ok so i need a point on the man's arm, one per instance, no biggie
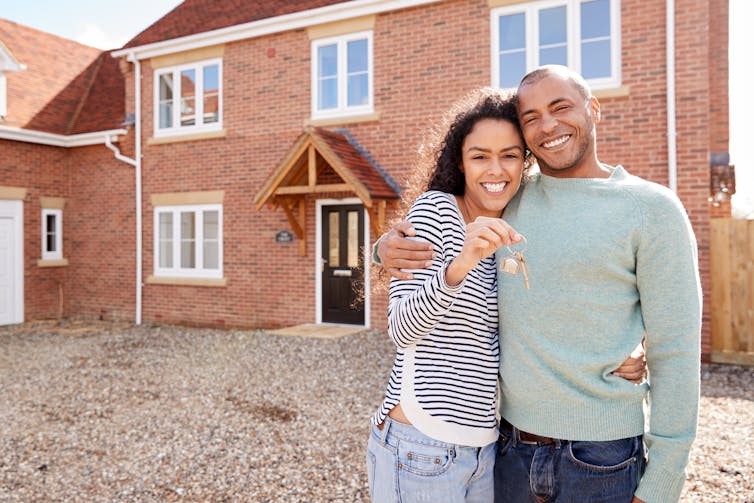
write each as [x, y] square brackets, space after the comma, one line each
[394, 251]
[670, 295]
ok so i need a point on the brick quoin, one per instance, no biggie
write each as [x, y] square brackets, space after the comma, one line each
[424, 59]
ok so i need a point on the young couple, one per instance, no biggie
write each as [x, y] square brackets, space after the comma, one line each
[590, 261]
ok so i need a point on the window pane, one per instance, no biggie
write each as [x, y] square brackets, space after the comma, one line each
[188, 93]
[512, 68]
[595, 19]
[188, 240]
[165, 237]
[358, 89]
[595, 59]
[50, 240]
[512, 32]
[353, 239]
[357, 56]
[211, 81]
[553, 56]
[552, 26]
[211, 243]
[211, 254]
[334, 240]
[211, 221]
[328, 94]
[327, 60]
[166, 101]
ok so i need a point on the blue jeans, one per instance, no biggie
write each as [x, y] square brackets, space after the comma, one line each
[405, 466]
[567, 471]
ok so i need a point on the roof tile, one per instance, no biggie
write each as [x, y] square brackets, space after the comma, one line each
[198, 16]
[66, 87]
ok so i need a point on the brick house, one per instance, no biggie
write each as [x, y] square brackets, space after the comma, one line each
[269, 142]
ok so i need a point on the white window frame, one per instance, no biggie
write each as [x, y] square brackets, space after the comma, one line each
[573, 37]
[177, 271]
[3, 95]
[199, 127]
[342, 109]
[58, 253]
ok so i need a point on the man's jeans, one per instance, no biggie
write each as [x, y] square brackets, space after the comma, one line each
[567, 471]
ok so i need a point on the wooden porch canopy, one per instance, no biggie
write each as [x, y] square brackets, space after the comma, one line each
[322, 161]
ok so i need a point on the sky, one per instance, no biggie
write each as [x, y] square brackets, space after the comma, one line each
[108, 24]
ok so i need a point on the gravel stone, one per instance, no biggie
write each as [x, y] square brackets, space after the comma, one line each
[95, 411]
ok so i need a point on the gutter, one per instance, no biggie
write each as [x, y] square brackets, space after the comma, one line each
[670, 71]
[136, 163]
[267, 26]
[59, 140]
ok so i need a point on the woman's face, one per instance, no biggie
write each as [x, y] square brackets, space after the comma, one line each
[492, 164]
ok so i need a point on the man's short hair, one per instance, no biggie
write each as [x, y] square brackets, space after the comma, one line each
[560, 71]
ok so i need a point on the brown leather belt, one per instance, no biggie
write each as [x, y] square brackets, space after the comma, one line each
[525, 437]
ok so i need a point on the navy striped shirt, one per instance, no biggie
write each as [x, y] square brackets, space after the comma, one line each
[446, 364]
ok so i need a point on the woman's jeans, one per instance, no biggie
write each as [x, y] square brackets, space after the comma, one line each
[405, 466]
[567, 471]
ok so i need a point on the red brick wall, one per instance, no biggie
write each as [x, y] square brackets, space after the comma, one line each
[98, 229]
[42, 171]
[424, 59]
[102, 233]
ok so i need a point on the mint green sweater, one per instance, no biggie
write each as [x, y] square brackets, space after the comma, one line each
[610, 260]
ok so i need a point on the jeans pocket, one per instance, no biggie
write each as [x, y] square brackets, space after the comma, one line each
[425, 460]
[607, 456]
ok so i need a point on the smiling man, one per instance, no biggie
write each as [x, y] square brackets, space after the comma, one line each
[612, 259]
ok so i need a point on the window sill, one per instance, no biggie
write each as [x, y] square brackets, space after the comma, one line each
[612, 92]
[342, 119]
[179, 137]
[168, 280]
[60, 262]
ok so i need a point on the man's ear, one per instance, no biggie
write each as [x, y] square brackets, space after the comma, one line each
[594, 107]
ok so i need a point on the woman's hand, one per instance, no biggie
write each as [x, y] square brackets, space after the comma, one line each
[634, 369]
[483, 236]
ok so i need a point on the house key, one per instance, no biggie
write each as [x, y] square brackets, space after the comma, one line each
[514, 263]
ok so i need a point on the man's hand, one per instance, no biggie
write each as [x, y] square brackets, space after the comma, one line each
[398, 252]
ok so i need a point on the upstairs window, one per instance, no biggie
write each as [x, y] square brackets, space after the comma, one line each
[342, 75]
[580, 34]
[52, 234]
[188, 98]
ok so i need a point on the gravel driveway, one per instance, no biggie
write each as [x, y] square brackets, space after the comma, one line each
[108, 412]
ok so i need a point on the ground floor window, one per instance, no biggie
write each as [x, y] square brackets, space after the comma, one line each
[52, 234]
[188, 241]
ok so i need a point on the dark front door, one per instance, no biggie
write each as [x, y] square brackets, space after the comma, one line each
[343, 264]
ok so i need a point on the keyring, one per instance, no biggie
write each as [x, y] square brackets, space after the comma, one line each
[521, 243]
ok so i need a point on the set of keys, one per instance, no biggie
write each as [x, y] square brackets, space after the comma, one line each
[516, 261]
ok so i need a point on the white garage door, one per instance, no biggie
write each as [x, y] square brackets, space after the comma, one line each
[11, 263]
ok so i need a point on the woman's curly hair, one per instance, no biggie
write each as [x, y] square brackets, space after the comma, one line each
[441, 154]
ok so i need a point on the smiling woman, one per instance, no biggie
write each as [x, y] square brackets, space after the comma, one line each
[446, 432]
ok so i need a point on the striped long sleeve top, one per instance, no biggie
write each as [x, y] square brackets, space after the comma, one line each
[446, 365]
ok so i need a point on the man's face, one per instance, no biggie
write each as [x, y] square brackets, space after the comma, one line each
[558, 126]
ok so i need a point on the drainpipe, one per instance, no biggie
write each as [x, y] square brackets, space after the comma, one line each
[670, 71]
[136, 163]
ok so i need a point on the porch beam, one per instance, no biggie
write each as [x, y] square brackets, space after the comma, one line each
[305, 189]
